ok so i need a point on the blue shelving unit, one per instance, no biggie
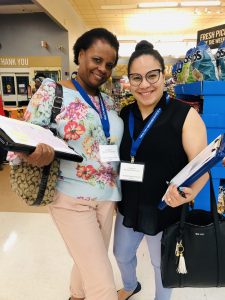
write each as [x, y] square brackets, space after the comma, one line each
[212, 96]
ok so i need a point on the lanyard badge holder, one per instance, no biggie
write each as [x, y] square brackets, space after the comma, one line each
[132, 171]
[107, 152]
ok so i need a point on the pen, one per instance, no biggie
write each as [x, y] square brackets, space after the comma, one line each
[180, 190]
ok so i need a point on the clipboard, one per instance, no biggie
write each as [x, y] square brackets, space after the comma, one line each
[198, 166]
[11, 142]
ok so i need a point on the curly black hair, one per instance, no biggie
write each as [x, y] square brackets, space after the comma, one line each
[145, 48]
[39, 76]
[86, 40]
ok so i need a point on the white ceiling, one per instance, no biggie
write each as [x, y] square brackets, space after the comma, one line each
[164, 24]
[155, 24]
[172, 30]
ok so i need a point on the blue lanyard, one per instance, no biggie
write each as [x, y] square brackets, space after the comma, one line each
[103, 116]
[136, 143]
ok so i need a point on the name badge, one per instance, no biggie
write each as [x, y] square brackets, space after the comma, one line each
[109, 153]
[131, 172]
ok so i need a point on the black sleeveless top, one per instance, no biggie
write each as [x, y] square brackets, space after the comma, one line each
[163, 155]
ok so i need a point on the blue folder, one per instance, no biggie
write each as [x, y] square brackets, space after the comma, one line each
[201, 164]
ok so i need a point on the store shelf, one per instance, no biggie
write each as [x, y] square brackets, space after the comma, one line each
[201, 88]
[212, 97]
[212, 92]
[215, 124]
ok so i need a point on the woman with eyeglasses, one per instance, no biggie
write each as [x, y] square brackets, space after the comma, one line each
[160, 137]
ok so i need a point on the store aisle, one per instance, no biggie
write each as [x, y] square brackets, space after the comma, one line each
[35, 265]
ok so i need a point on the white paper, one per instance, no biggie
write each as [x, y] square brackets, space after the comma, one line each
[198, 162]
[29, 134]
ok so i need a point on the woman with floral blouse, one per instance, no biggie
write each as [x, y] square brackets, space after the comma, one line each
[86, 192]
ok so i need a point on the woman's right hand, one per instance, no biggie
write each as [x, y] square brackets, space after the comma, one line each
[42, 156]
[174, 198]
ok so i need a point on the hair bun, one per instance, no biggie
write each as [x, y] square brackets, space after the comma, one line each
[144, 45]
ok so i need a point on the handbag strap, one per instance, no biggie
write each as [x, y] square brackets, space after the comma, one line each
[43, 185]
[56, 108]
[217, 232]
[213, 207]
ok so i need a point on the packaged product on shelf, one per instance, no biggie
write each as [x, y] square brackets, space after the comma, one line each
[169, 85]
[204, 63]
[174, 72]
[179, 66]
[220, 58]
[221, 200]
[126, 100]
[187, 67]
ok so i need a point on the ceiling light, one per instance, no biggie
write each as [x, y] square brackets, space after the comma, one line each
[200, 3]
[157, 4]
[162, 4]
[197, 12]
[119, 6]
[207, 11]
[159, 21]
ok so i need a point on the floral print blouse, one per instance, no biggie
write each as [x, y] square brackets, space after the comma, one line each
[80, 126]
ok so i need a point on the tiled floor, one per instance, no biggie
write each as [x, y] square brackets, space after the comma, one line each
[34, 263]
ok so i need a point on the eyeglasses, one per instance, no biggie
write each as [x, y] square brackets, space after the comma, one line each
[152, 76]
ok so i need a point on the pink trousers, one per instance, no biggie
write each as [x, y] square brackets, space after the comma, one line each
[85, 227]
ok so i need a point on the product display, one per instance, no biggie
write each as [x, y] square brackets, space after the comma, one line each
[204, 63]
[200, 64]
[187, 70]
[220, 57]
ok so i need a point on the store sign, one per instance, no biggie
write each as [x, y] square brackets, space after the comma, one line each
[14, 61]
[29, 61]
[213, 36]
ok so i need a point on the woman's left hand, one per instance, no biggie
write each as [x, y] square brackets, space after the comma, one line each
[223, 162]
[42, 156]
[173, 197]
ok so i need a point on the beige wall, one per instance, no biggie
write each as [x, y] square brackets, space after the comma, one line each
[63, 12]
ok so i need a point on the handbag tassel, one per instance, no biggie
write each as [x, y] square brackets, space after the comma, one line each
[181, 269]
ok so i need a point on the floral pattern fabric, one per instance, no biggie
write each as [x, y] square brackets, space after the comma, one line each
[80, 126]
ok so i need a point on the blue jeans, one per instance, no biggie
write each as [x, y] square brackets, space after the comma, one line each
[126, 243]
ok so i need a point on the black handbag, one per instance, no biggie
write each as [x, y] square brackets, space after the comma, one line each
[193, 250]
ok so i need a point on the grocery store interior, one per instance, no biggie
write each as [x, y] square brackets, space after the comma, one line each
[37, 36]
